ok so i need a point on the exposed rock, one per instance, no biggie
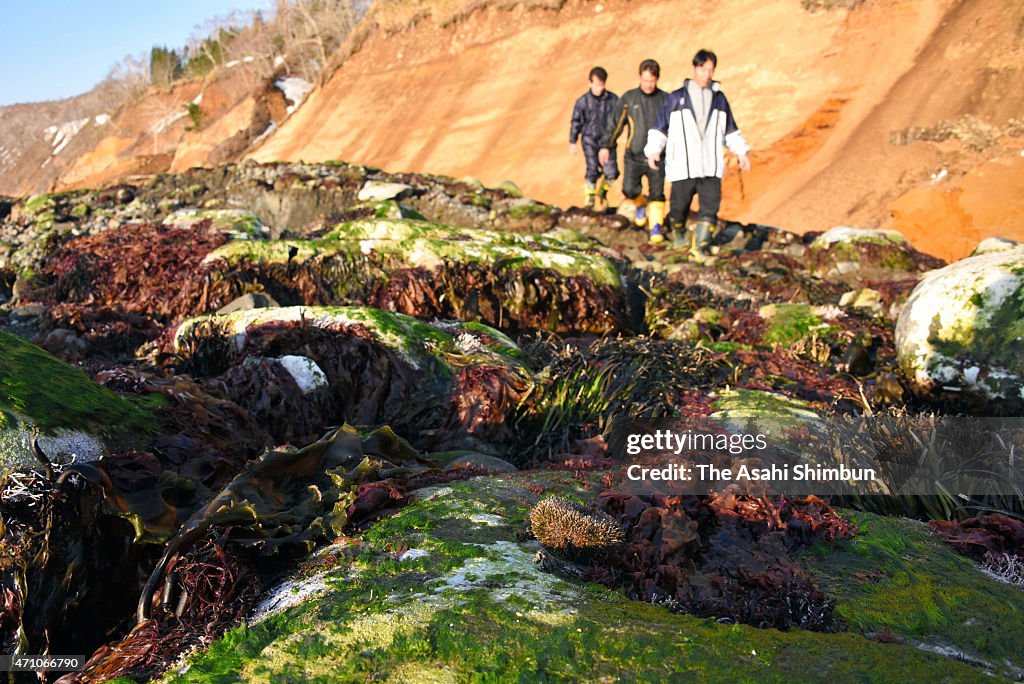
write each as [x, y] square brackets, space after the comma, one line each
[863, 299]
[994, 244]
[431, 270]
[485, 461]
[766, 410]
[850, 251]
[444, 589]
[72, 414]
[963, 328]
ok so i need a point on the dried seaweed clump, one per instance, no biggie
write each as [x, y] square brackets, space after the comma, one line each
[567, 529]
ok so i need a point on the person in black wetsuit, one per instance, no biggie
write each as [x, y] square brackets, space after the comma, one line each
[638, 110]
[590, 116]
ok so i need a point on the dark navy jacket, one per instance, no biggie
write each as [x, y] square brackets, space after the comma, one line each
[591, 115]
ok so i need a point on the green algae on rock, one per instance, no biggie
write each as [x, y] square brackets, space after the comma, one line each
[963, 328]
[737, 406]
[39, 393]
[895, 577]
[442, 591]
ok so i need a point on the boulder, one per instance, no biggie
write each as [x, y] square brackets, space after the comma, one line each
[443, 384]
[994, 244]
[963, 327]
[72, 416]
[844, 250]
[447, 590]
[432, 270]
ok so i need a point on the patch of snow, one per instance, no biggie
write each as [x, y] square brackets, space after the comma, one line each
[101, 119]
[262, 136]
[197, 99]
[164, 123]
[938, 176]
[295, 90]
[60, 136]
[248, 58]
[278, 60]
[232, 64]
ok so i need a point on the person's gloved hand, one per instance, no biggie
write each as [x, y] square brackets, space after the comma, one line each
[653, 160]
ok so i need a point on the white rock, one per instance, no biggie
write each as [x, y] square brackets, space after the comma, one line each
[375, 191]
[994, 244]
[963, 327]
[308, 376]
[849, 234]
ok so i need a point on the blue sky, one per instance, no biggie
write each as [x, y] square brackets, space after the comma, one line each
[53, 49]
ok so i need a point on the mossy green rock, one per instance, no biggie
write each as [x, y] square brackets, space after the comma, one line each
[446, 591]
[843, 250]
[42, 395]
[767, 410]
[896, 576]
[789, 323]
[963, 327]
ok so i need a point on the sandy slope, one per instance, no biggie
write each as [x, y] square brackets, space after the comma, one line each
[818, 95]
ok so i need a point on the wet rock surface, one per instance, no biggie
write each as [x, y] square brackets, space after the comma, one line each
[351, 446]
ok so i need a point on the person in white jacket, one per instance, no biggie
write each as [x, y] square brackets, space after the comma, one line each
[691, 130]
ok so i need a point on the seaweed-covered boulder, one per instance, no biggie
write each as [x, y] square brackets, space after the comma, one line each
[442, 384]
[71, 415]
[446, 590]
[963, 328]
[432, 270]
[844, 250]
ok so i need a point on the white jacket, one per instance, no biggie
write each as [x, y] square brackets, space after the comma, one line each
[688, 154]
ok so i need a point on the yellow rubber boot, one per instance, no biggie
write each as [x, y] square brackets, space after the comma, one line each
[602, 192]
[656, 220]
[700, 241]
[589, 194]
[641, 210]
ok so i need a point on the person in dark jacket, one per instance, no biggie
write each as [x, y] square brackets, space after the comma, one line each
[691, 130]
[590, 116]
[638, 110]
